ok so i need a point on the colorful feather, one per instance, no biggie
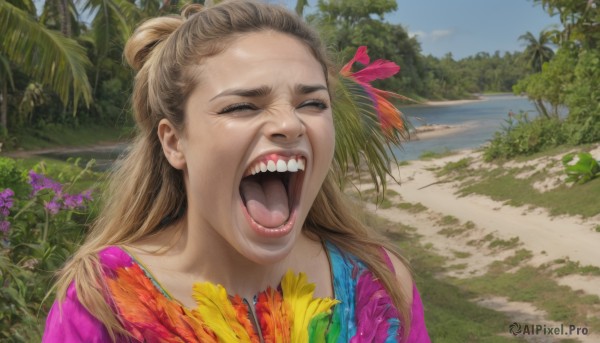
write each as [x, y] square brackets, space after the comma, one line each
[317, 328]
[389, 116]
[242, 313]
[218, 313]
[365, 312]
[148, 315]
[298, 295]
[273, 316]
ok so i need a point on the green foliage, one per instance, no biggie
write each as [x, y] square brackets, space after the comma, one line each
[11, 176]
[537, 51]
[549, 85]
[585, 169]
[46, 55]
[523, 136]
[572, 77]
[37, 243]
[355, 10]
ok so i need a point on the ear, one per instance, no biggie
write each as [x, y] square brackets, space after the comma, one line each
[171, 142]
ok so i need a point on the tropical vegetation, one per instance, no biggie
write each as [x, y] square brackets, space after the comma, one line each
[567, 81]
[61, 62]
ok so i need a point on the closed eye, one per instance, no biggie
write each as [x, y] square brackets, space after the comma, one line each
[240, 107]
[316, 103]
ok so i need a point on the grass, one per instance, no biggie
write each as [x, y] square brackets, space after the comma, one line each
[504, 244]
[412, 208]
[536, 286]
[452, 232]
[448, 220]
[502, 185]
[458, 166]
[449, 315]
[59, 136]
[461, 254]
[432, 155]
[518, 258]
[570, 267]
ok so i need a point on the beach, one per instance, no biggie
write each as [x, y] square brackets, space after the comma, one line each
[547, 238]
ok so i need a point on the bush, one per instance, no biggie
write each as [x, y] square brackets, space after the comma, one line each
[41, 224]
[522, 136]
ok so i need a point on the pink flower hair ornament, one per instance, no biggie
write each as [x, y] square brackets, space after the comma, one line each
[368, 125]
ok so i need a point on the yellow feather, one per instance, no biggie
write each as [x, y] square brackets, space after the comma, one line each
[218, 313]
[298, 295]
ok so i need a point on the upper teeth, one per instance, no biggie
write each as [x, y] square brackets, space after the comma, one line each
[279, 165]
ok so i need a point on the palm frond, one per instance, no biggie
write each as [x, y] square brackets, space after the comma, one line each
[360, 140]
[5, 71]
[45, 55]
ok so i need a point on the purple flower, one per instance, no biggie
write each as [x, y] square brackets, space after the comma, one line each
[53, 206]
[71, 201]
[39, 182]
[61, 200]
[6, 201]
[4, 226]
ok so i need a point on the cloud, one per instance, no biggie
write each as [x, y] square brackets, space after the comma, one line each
[432, 36]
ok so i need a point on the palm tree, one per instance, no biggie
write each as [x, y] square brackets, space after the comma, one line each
[300, 5]
[537, 50]
[47, 56]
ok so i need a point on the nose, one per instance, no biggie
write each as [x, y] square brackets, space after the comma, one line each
[285, 126]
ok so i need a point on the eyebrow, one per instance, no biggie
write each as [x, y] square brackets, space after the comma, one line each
[307, 89]
[266, 90]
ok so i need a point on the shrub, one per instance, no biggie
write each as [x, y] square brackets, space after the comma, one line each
[585, 169]
[522, 136]
[40, 227]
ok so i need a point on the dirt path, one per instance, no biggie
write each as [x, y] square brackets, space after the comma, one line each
[546, 237]
[100, 147]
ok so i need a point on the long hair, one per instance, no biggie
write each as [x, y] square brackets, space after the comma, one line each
[144, 189]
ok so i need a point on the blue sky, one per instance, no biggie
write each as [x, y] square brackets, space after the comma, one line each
[466, 27]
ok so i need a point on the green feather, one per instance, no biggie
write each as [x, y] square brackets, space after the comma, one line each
[317, 328]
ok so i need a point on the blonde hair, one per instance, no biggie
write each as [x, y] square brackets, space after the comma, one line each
[145, 189]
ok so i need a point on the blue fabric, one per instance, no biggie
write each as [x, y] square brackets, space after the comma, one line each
[343, 266]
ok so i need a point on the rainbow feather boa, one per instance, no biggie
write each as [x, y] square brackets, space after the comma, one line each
[289, 313]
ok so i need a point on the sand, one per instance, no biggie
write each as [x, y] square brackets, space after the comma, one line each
[548, 238]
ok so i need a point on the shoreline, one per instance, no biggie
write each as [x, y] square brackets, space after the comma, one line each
[430, 131]
[453, 102]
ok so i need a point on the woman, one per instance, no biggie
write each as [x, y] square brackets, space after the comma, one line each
[226, 194]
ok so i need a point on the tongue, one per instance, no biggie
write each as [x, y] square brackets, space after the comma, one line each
[267, 200]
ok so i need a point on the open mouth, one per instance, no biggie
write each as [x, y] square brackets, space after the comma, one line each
[270, 191]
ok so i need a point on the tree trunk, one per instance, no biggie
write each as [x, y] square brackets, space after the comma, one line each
[539, 104]
[65, 18]
[4, 108]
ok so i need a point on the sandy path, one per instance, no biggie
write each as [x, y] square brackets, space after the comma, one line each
[558, 237]
[546, 237]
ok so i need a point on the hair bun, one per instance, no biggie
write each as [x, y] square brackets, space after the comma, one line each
[192, 9]
[147, 36]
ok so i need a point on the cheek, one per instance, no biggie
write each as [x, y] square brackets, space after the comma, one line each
[324, 143]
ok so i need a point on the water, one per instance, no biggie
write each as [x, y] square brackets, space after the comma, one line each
[481, 119]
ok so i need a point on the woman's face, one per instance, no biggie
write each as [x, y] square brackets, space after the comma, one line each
[257, 144]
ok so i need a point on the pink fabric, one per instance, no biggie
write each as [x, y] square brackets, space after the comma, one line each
[418, 330]
[74, 323]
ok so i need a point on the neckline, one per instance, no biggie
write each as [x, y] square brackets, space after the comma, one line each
[159, 287]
